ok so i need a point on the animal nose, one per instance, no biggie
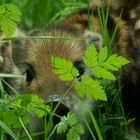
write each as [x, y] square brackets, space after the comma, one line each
[58, 105]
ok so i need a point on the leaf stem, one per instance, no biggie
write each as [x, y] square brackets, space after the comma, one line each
[25, 129]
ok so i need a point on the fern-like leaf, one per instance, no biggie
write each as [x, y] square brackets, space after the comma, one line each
[73, 135]
[9, 16]
[102, 55]
[103, 73]
[62, 126]
[70, 122]
[90, 88]
[90, 57]
[64, 68]
[115, 62]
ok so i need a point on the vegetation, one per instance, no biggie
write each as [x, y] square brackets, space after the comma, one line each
[15, 110]
[43, 11]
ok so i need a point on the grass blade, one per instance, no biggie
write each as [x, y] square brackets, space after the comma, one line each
[8, 130]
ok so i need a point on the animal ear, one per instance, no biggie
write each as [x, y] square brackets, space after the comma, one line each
[93, 38]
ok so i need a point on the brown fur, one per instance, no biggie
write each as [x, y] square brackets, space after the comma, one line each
[45, 82]
[121, 45]
[39, 52]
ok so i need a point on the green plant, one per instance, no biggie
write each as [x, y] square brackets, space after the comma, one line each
[75, 129]
[100, 64]
[44, 12]
[9, 16]
[15, 112]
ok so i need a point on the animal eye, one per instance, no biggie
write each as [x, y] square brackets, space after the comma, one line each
[80, 66]
[30, 73]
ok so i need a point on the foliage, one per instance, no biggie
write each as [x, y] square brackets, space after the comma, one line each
[45, 12]
[15, 111]
[90, 88]
[64, 68]
[9, 16]
[101, 66]
[70, 123]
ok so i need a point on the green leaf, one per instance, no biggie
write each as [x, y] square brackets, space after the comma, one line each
[37, 99]
[1, 19]
[13, 17]
[71, 118]
[9, 117]
[13, 10]
[103, 73]
[109, 66]
[120, 61]
[37, 105]
[26, 99]
[73, 135]
[102, 55]
[114, 62]
[41, 110]
[9, 16]
[90, 88]
[74, 128]
[2, 9]
[8, 26]
[79, 128]
[62, 125]
[90, 57]
[64, 68]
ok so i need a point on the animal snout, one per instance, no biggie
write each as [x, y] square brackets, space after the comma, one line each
[58, 105]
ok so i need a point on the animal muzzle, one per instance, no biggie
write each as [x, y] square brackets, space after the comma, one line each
[57, 105]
